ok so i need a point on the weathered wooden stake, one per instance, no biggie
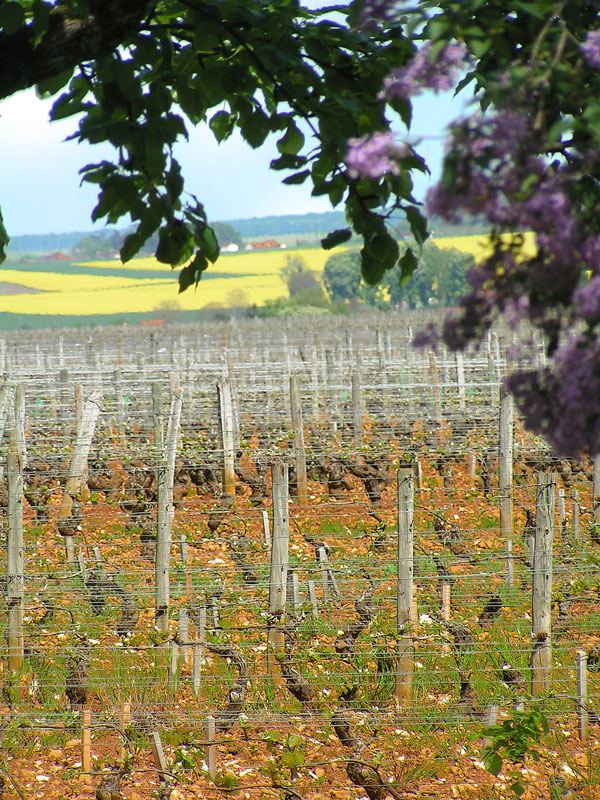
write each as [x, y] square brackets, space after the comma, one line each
[435, 387]
[166, 475]
[227, 436]
[86, 744]
[279, 566]
[159, 422]
[312, 594]
[158, 754]
[582, 695]
[211, 748]
[77, 471]
[541, 657]
[460, 380]
[356, 411]
[184, 635]
[125, 722]
[596, 490]
[15, 573]
[299, 449]
[562, 515]
[404, 590]
[505, 469]
[120, 406]
[265, 527]
[173, 664]
[575, 515]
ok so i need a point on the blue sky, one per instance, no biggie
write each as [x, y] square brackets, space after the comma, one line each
[39, 180]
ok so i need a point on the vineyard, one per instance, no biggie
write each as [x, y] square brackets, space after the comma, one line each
[290, 559]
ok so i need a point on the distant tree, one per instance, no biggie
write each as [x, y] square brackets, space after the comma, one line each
[341, 275]
[227, 234]
[97, 245]
[440, 280]
[303, 284]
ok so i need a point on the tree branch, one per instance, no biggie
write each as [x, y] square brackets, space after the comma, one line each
[67, 42]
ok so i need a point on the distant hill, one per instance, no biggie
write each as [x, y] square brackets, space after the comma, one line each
[289, 223]
[313, 224]
[47, 242]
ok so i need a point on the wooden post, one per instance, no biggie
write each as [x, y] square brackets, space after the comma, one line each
[279, 564]
[312, 594]
[211, 747]
[356, 411]
[158, 416]
[15, 574]
[575, 515]
[472, 466]
[562, 515]
[166, 474]
[125, 722]
[293, 591]
[404, 592]
[541, 657]
[227, 436]
[265, 527]
[505, 470]
[77, 471]
[299, 449]
[184, 635]
[198, 650]
[491, 718]
[435, 386]
[234, 399]
[460, 380]
[120, 406]
[173, 664]
[86, 744]
[596, 490]
[158, 754]
[445, 610]
[333, 400]
[582, 695]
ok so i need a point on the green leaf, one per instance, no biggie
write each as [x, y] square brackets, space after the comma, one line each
[336, 237]
[222, 125]
[408, 264]
[291, 142]
[54, 84]
[12, 17]
[130, 247]
[379, 254]
[4, 239]
[175, 244]
[418, 224]
[292, 759]
[492, 761]
[298, 177]
[210, 244]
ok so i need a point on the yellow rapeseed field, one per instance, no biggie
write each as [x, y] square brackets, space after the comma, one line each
[479, 246]
[255, 278]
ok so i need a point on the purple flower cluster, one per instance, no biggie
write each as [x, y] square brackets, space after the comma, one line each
[374, 155]
[374, 12]
[561, 402]
[424, 71]
[587, 300]
[591, 49]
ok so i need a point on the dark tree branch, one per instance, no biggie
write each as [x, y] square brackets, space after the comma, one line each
[67, 42]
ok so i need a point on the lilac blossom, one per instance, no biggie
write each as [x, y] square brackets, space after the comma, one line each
[591, 49]
[587, 299]
[425, 72]
[374, 12]
[373, 155]
[562, 402]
